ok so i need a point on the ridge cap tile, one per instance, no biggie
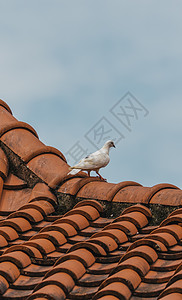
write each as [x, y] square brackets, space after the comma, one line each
[116, 188]
[6, 106]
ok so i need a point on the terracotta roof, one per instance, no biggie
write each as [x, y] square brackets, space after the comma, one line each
[75, 237]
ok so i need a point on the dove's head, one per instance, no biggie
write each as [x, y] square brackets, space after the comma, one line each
[110, 144]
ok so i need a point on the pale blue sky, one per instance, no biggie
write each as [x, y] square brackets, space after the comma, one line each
[64, 64]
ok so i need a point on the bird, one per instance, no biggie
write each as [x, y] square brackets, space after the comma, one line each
[94, 161]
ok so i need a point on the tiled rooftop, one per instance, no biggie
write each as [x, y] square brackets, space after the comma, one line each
[75, 237]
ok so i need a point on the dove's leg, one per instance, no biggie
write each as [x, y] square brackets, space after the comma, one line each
[100, 176]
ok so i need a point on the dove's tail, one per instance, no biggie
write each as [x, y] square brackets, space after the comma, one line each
[74, 171]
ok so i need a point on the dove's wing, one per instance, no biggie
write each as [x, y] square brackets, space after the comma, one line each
[93, 161]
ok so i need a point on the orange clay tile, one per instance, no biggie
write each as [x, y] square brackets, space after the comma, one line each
[5, 106]
[175, 212]
[31, 214]
[9, 271]
[166, 238]
[42, 150]
[44, 207]
[173, 229]
[148, 253]
[3, 241]
[163, 265]
[69, 186]
[139, 194]
[88, 212]
[117, 289]
[31, 251]
[42, 192]
[137, 218]
[64, 228]
[95, 248]
[93, 203]
[138, 208]
[119, 186]
[9, 233]
[100, 268]
[4, 285]
[101, 222]
[106, 242]
[164, 197]
[177, 275]
[92, 280]
[11, 200]
[15, 294]
[28, 282]
[56, 237]
[73, 185]
[127, 276]
[6, 118]
[19, 224]
[128, 227]
[61, 279]
[136, 263]
[149, 289]
[156, 244]
[72, 267]
[14, 125]
[95, 190]
[118, 235]
[77, 221]
[45, 246]
[51, 291]
[82, 255]
[12, 182]
[174, 219]
[19, 258]
[42, 164]
[22, 141]
[175, 287]
[158, 277]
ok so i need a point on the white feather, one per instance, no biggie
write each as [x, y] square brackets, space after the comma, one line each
[94, 161]
[74, 171]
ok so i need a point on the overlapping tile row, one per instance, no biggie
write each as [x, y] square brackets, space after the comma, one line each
[23, 140]
[147, 268]
[78, 273]
[15, 194]
[126, 191]
[44, 249]
[173, 288]
[30, 218]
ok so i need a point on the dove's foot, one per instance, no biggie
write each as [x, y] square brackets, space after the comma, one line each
[104, 179]
[101, 178]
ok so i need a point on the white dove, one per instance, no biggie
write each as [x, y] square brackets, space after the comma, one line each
[94, 161]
